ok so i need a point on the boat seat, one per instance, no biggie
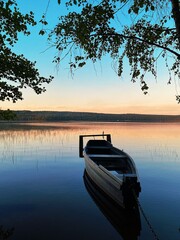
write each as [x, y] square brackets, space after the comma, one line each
[99, 150]
[105, 156]
[102, 147]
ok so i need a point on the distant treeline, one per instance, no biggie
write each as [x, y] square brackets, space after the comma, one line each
[7, 115]
[52, 116]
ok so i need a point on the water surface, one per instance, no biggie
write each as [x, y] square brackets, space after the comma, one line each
[43, 194]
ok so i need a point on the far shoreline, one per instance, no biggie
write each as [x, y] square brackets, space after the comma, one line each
[55, 116]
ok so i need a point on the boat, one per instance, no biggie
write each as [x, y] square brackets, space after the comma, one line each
[112, 169]
[126, 222]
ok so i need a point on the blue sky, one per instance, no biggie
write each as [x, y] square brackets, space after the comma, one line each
[95, 87]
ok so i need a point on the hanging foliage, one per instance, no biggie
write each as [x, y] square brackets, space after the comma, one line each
[16, 72]
[141, 31]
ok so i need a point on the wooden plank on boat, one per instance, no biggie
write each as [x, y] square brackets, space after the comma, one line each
[130, 175]
[111, 175]
[106, 156]
[99, 147]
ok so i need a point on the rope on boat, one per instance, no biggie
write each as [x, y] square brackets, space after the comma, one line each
[145, 217]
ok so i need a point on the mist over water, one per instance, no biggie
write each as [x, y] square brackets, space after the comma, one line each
[43, 194]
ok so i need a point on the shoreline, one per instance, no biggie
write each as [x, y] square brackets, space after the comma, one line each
[52, 116]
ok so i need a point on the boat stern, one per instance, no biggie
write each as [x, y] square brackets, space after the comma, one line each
[130, 189]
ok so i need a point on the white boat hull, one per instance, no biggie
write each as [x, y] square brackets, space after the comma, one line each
[109, 185]
[112, 170]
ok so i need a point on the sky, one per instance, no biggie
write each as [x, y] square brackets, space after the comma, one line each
[94, 88]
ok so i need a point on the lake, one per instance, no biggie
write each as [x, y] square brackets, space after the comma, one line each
[43, 193]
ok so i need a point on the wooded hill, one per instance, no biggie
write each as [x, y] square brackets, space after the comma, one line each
[88, 116]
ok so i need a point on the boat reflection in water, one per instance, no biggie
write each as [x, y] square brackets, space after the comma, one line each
[126, 222]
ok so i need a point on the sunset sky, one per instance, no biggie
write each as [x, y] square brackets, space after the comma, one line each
[94, 88]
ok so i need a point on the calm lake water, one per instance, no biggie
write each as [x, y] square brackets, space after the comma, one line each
[43, 193]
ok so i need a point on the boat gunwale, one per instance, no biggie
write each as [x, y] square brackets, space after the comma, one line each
[118, 181]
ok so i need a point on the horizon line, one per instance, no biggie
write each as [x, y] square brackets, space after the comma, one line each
[70, 111]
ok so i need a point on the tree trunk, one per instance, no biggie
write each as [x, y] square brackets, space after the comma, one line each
[176, 16]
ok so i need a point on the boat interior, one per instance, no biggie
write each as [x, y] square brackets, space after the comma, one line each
[103, 153]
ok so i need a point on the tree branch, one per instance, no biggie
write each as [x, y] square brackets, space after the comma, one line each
[176, 16]
[144, 41]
